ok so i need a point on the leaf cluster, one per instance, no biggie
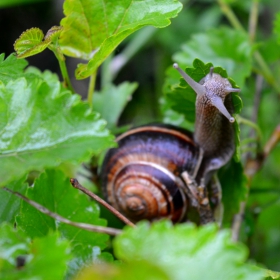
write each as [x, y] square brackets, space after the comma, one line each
[49, 134]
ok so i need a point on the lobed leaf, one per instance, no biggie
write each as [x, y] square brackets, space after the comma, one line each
[111, 101]
[11, 68]
[234, 186]
[135, 270]
[277, 27]
[184, 249]
[53, 33]
[93, 29]
[44, 125]
[9, 203]
[225, 47]
[54, 191]
[30, 43]
[43, 258]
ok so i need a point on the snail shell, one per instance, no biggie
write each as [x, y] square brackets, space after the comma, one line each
[141, 178]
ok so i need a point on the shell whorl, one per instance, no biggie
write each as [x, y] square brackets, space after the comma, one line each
[141, 178]
[140, 191]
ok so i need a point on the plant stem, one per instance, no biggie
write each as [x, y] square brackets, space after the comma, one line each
[253, 20]
[88, 227]
[106, 72]
[230, 15]
[251, 167]
[251, 124]
[266, 72]
[62, 65]
[91, 87]
[74, 182]
[264, 69]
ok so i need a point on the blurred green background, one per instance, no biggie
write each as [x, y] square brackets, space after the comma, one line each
[153, 53]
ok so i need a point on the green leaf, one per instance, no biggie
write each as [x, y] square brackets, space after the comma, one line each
[136, 270]
[183, 249]
[43, 126]
[30, 43]
[9, 3]
[224, 47]
[53, 33]
[12, 244]
[277, 27]
[272, 274]
[112, 100]
[180, 96]
[11, 67]
[54, 191]
[93, 29]
[234, 187]
[9, 203]
[39, 259]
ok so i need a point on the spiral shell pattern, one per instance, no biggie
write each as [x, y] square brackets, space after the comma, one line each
[141, 178]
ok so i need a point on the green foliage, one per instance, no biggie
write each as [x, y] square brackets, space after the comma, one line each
[225, 47]
[30, 43]
[107, 26]
[53, 190]
[233, 182]
[277, 27]
[177, 251]
[111, 101]
[44, 125]
[135, 270]
[11, 68]
[8, 3]
[10, 204]
[48, 134]
[22, 259]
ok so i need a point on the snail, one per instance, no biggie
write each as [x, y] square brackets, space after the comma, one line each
[160, 171]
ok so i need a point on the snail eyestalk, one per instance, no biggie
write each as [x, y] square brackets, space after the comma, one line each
[198, 88]
[232, 90]
[219, 104]
[211, 71]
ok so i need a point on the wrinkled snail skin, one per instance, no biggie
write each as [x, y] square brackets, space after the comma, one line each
[213, 132]
[146, 176]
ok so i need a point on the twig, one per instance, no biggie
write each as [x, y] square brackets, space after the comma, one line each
[237, 221]
[91, 88]
[253, 20]
[263, 66]
[230, 15]
[272, 142]
[88, 227]
[257, 98]
[64, 72]
[78, 186]
[238, 218]
[252, 166]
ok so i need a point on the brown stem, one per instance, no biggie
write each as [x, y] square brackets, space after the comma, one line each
[78, 186]
[253, 20]
[88, 227]
[199, 198]
[272, 142]
[252, 166]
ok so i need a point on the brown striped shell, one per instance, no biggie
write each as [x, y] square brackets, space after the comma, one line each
[141, 178]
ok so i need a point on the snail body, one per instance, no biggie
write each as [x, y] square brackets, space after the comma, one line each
[159, 171]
